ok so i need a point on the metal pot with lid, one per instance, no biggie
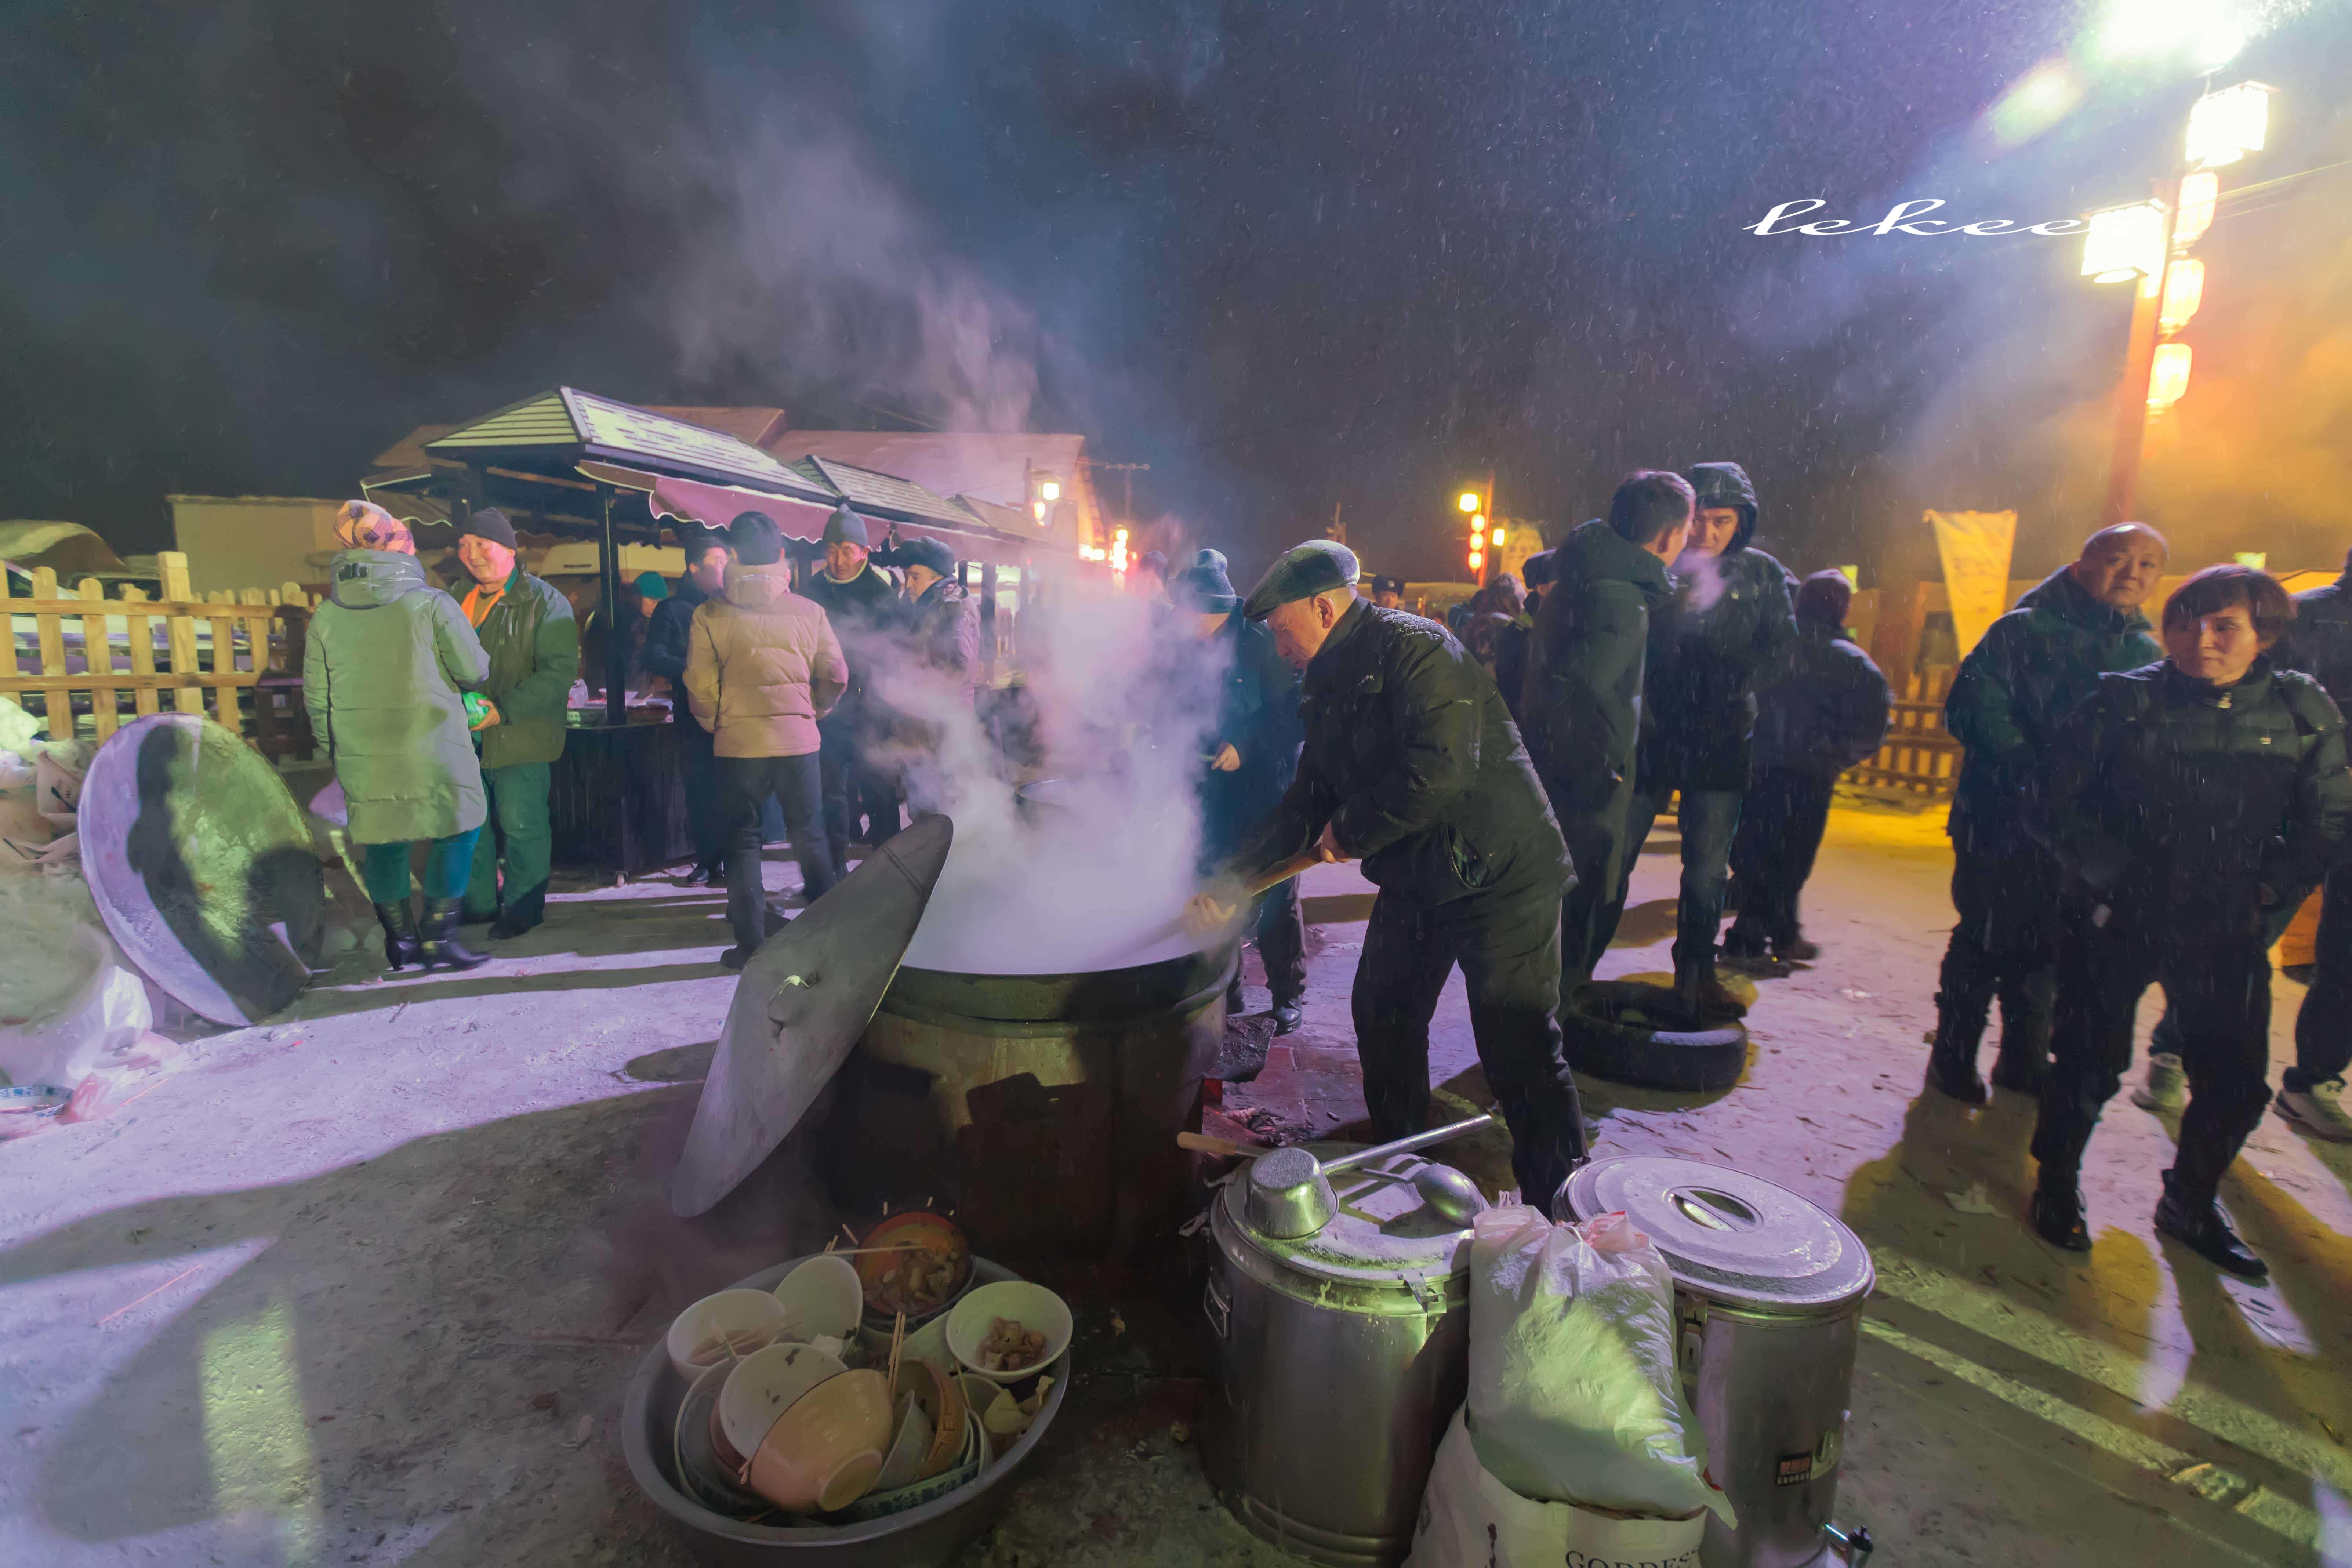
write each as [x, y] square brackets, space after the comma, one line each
[1342, 1353]
[1769, 1291]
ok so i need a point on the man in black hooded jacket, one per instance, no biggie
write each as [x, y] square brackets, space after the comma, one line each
[2311, 1092]
[1725, 632]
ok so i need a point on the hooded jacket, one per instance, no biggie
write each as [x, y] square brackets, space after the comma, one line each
[2173, 802]
[382, 675]
[1829, 712]
[669, 640]
[2320, 644]
[1258, 715]
[1411, 760]
[1581, 698]
[2034, 666]
[1724, 633]
[534, 648]
[763, 666]
[945, 633]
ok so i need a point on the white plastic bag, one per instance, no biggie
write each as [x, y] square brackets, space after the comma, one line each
[108, 1017]
[1574, 1395]
[1470, 1520]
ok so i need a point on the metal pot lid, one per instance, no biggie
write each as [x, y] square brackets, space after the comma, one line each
[805, 998]
[1382, 1234]
[1729, 1236]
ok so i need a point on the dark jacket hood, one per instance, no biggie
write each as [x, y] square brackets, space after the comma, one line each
[367, 578]
[2060, 594]
[1727, 484]
[1595, 551]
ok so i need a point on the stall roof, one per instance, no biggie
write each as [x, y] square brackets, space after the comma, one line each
[566, 425]
[990, 465]
[864, 487]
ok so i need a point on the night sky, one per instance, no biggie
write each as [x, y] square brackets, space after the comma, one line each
[1290, 255]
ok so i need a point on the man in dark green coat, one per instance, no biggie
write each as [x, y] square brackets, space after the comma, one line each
[1411, 764]
[526, 627]
[2190, 807]
[2034, 666]
[1581, 703]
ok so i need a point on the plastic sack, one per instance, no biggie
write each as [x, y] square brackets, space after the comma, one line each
[1470, 1520]
[107, 1016]
[1574, 1394]
[18, 727]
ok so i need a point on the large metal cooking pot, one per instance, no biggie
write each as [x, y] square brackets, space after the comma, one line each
[1768, 1292]
[923, 1536]
[1340, 1357]
[1043, 1108]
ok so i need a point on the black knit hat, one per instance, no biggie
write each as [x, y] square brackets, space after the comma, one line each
[488, 523]
[757, 539]
[1204, 585]
[845, 527]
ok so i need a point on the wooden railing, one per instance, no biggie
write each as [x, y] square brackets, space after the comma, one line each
[242, 649]
[1918, 757]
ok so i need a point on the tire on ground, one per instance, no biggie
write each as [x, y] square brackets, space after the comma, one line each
[1664, 1048]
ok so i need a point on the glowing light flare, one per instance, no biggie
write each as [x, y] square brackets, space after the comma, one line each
[2033, 103]
[1470, 501]
[1038, 507]
[2184, 290]
[2209, 32]
[2225, 126]
[2123, 241]
[1477, 561]
[1051, 490]
[1499, 539]
[2199, 192]
[2167, 378]
[1118, 552]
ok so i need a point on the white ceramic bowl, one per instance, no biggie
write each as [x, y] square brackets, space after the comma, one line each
[822, 1296]
[753, 1318]
[1034, 1307]
[767, 1384]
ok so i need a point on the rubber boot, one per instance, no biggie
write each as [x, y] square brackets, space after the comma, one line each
[521, 913]
[400, 944]
[437, 937]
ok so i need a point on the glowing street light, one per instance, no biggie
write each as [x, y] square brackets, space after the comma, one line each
[2184, 290]
[1499, 539]
[1051, 490]
[2167, 377]
[1470, 501]
[2125, 242]
[2225, 126]
[2198, 193]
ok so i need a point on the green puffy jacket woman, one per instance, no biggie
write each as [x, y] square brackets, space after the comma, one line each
[383, 675]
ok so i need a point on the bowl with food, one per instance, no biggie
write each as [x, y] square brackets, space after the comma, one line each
[915, 1262]
[726, 1327]
[1009, 1331]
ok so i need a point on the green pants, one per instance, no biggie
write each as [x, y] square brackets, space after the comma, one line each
[518, 838]
[385, 868]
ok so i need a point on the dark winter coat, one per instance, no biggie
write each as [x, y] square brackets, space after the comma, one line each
[383, 677]
[2320, 643]
[944, 632]
[1413, 762]
[668, 642]
[1828, 712]
[2034, 666]
[1258, 715]
[2173, 802]
[1581, 697]
[1723, 634]
[866, 613]
[534, 648]
[1511, 646]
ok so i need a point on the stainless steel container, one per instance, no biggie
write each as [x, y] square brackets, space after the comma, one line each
[1340, 1357]
[1768, 1292]
[1043, 1108]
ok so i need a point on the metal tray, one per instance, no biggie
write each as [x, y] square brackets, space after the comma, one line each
[925, 1536]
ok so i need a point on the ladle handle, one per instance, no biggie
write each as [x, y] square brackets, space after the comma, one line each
[1276, 876]
[1406, 1145]
[1201, 1144]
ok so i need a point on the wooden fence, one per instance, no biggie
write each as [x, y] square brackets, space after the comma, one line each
[243, 650]
[1919, 758]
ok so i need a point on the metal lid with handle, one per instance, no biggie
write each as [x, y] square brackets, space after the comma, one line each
[1728, 1237]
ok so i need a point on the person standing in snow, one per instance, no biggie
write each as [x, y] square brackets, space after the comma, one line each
[2030, 669]
[383, 677]
[2189, 807]
[668, 643]
[1829, 712]
[863, 605]
[1726, 631]
[2311, 1092]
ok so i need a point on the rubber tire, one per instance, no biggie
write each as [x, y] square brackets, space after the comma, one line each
[1697, 1055]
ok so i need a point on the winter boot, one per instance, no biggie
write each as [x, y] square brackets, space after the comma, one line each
[436, 936]
[2318, 1110]
[2056, 1215]
[1743, 942]
[521, 913]
[400, 945]
[1794, 949]
[2167, 1090]
[1704, 994]
[1952, 1056]
[2200, 1227]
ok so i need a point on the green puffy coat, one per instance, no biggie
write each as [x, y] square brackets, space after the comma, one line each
[387, 655]
[534, 647]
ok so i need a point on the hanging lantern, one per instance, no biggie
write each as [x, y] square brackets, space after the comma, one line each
[2199, 192]
[2184, 290]
[2124, 242]
[2167, 378]
[2225, 126]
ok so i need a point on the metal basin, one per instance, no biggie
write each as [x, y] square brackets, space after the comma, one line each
[923, 1536]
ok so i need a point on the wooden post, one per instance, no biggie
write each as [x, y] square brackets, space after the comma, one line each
[51, 632]
[10, 667]
[224, 663]
[617, 655]
[98, 659]
[180, 631]
[143, 652]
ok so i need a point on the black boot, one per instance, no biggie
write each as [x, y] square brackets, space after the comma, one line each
[2056, 1213]
[1952, 1057]
[2200, 1227]
[522, 913]
[400, 944]
[436, 936]
[1287, 1017]
[1707, 997]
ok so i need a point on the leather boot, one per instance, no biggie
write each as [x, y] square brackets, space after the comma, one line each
[400, 944]
[1706, 997]
[521, 913]
[2200, 1227]
[2056, 1215]
[1952, 1057]
[436, 936]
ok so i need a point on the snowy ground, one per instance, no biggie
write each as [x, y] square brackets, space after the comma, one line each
[364, 1285]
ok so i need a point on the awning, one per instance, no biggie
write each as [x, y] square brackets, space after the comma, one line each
[715, 506]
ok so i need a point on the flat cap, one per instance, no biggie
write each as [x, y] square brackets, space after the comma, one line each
[1315, 567]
